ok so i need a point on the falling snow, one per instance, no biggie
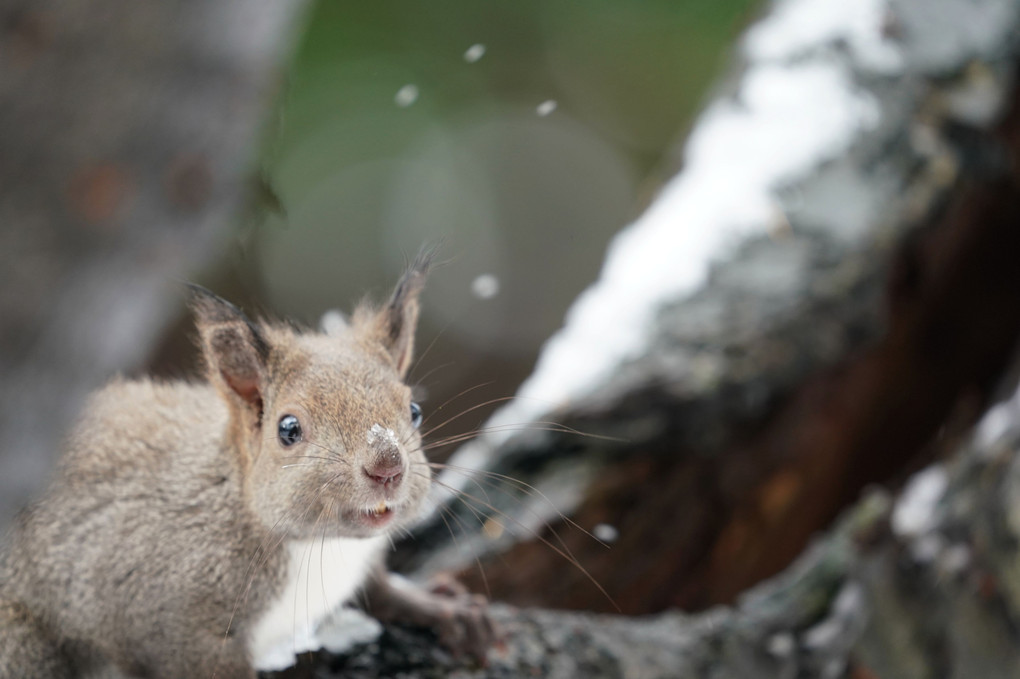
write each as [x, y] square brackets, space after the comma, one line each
[789, 117]
[605, 532]
[485, 286]
[333, 322]
[914, 514]
[406, 95]
[546, 107]
[474, 53]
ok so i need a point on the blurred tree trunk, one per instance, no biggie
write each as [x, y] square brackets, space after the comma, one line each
[127, 135]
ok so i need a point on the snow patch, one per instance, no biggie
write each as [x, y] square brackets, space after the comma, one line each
[347, 628]
[997, 423]
[781, 645]
[914, 514]
[836, 633]
[783, 123]
[956, 559]
[381, 433]
[797, 27]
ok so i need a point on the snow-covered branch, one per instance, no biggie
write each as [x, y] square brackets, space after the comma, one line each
[797, 315]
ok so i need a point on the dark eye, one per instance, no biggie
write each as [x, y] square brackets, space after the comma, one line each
[415, 415]
[289, 430]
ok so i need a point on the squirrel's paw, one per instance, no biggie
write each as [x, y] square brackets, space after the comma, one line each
[460, 619]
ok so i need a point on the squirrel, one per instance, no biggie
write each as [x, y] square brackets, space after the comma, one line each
[192, 525]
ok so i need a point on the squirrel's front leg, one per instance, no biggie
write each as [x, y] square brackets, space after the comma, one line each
[459, 618]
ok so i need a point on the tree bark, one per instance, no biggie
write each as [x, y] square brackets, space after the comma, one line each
[919, 588]
[127, 133]
[836, 347]
[857, 339]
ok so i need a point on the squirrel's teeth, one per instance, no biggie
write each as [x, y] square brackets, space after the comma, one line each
[380, 508]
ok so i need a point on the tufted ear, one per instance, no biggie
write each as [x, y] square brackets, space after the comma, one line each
[394, 325]
[234, 348]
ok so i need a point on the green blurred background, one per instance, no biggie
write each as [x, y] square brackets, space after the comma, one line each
[522, 135]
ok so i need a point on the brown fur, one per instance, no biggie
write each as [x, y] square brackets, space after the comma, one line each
[163, 527]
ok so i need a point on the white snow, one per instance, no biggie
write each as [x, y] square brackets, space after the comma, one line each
[781, 645]
[956, 559]
[796, 27]
[996, 423]
[785, 120]
[474, 53]
[546, 107]
[333, 322]
[378, 432]
[346, 628]
[840, 627]
[485, 286]
[606, 533]
[914, 514]
[406, 95]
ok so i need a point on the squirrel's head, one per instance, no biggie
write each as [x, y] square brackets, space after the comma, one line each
[323, 423]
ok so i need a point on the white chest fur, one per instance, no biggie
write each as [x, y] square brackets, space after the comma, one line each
[322, 575]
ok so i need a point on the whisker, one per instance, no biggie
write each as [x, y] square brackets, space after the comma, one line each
[443, 513]
[334, 456]
[322, 567]
[503, 489]
[527, 488]
[460, 495]
[467, 436]
[420, 380]
[308, 457]
[477, 483]
[426, 353]
[553, 427]
[501, 399]
[257, 561]
[455, 397]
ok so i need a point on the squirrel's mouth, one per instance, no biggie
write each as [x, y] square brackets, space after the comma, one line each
[377, 515]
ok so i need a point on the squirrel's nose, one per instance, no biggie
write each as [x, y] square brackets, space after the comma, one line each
[385, 472]
[385, 476]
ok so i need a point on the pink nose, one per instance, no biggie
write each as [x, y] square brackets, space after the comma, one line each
[385, 475]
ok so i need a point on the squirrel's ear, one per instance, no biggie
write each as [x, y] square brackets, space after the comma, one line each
[235, 350]
[394, 325]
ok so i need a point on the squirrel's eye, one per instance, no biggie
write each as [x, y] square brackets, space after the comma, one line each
[289, 430]
[415, 415]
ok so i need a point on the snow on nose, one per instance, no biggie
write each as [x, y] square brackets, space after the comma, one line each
[387, 467]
